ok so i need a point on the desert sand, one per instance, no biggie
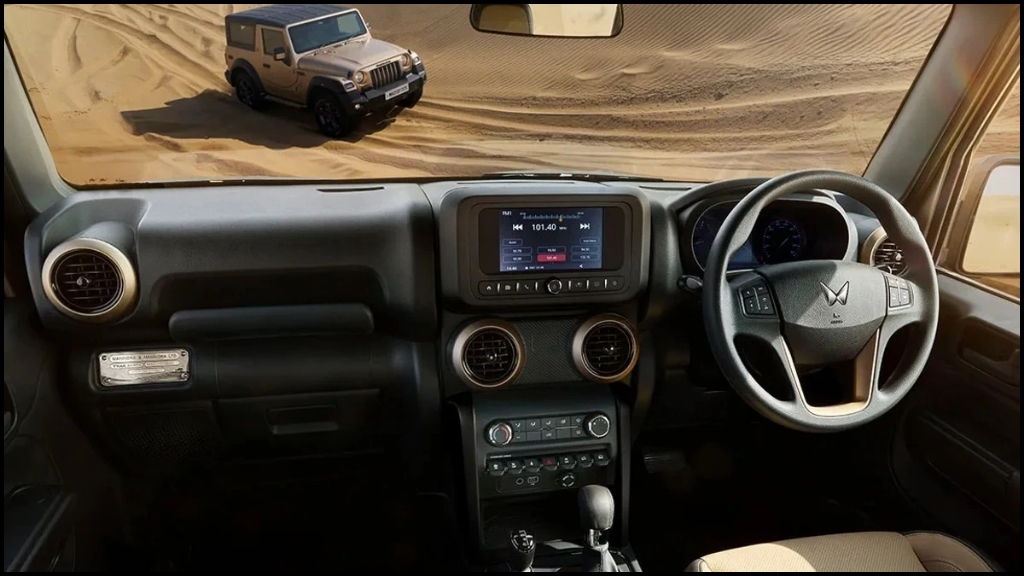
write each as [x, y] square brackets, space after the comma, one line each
[136, 93]
[130, 93]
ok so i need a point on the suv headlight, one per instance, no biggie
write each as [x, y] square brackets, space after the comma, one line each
[405, 60]
[359, 77]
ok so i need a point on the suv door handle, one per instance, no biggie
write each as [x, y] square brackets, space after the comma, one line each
[266, 65]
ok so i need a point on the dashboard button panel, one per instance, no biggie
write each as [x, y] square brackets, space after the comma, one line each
[548, 429]
[550, 287]
[547, 472]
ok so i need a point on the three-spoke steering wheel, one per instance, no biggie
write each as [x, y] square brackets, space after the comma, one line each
[821, 312]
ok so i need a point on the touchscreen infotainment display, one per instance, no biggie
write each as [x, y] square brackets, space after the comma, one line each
[551, 239]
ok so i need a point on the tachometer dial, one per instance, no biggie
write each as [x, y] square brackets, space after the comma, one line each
[704, 233]
[783, 240]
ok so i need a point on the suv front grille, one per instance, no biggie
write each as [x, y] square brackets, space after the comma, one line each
[386, 74]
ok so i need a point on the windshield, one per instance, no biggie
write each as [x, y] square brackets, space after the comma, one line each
[326, 31]
[129, 93]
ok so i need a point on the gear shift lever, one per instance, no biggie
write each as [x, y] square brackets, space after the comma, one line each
[521, 549]
[597, 512]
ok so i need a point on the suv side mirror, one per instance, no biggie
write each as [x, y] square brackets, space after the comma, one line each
[986, 228]
[281, 55]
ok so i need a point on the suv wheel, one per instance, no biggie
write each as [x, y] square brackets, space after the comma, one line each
[412, 98]
[246, 90]
[331, 118]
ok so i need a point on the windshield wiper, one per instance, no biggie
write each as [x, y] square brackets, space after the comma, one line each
[571, 175]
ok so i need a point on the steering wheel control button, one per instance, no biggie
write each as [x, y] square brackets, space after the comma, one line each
[488, 288]
[756, 300]
[496, 468]
[500, 434]
[598, 426]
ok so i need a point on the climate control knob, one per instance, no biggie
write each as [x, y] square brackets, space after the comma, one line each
[597, 426]
[500, 434]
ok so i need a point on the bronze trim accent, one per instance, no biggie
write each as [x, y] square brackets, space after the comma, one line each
[864, 381]
[580, 338]
[122, 266]
[465, 336]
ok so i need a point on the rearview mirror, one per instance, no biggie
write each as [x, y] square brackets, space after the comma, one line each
[548, 20]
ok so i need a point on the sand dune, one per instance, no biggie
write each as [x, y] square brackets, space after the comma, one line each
[136, 92]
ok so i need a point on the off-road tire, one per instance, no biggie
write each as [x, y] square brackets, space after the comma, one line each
[247, 90]
[330, 116]
[412, 99]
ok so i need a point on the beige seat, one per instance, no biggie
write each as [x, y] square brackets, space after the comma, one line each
[860, 552]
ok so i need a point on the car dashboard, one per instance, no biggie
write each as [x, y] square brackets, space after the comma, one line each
[528, 327]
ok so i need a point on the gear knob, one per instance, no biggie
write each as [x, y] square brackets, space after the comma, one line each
[521, 550]
[597, 507]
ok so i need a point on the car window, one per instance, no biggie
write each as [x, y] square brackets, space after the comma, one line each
[272, 40]
[326, 31]
[992, 252]
[242, 36]
[129, 93]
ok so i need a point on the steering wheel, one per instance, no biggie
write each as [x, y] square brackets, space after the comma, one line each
[820, 312]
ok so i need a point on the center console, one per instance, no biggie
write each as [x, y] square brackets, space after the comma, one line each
[539, 284]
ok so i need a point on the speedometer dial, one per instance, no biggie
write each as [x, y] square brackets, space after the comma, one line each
[783, 240]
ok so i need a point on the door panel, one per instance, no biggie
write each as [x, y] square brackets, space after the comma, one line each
[59, 507]
[957, 452]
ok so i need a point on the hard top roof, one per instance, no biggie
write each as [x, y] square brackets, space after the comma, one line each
[282, 15]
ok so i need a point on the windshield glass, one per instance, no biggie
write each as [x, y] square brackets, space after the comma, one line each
[326, 31]
[131, 93]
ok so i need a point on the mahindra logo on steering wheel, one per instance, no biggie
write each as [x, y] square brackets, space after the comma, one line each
[832, 297]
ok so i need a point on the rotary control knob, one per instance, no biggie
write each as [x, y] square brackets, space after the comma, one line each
[597, 426]
[567, 480]
[500, 434]
[553, 286]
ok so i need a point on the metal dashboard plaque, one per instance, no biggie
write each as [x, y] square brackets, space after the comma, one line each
[144, 367]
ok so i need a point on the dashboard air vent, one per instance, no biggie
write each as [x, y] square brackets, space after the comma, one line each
[487, 354]
[889, 258]
[89, 280]
[605, 349]
[86, 281]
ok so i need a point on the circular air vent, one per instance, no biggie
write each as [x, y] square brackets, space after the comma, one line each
[605, 348]
[487, 354]
[884, 254]
[90, 280]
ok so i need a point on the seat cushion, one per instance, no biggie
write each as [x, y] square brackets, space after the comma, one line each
[859, 552]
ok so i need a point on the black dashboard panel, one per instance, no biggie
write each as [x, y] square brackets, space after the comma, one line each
[320, 320]
[236, 248]
[595, 243]
[805, 227]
